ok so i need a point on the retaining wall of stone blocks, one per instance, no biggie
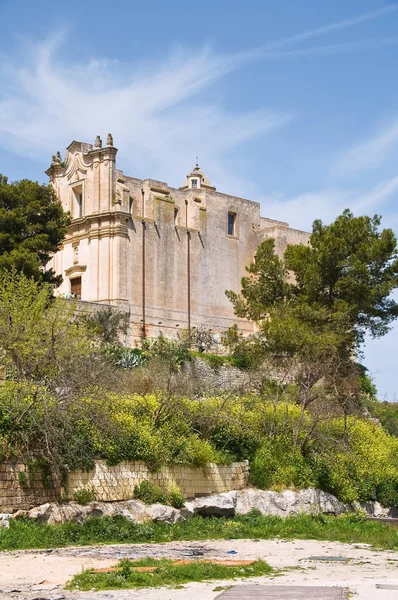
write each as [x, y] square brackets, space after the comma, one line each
[111, 483]
[21, 489]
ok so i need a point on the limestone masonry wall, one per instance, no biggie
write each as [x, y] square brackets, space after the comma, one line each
[20, 489]
[117, 482]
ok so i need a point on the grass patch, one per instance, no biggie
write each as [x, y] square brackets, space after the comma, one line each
[24, 534]
[166, 573]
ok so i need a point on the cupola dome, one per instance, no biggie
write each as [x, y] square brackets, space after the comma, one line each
[196, 179]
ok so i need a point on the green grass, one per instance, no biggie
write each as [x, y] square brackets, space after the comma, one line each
[24, 534]
[166, 574]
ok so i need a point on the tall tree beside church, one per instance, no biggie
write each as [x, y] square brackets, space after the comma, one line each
[32, 227]
[326, 295]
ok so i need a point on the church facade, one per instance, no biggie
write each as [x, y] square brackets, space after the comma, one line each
[165, 254]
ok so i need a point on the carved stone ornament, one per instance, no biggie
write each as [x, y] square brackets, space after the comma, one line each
[109, 140]
[98, 142]
[76, 269]
[86, 147]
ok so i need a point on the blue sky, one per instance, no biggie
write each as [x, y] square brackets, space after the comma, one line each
[293, 104]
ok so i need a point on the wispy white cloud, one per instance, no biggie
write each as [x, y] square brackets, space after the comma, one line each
[154, 110]
[325, 50]
[369, 153]
[332, 27]
[155, 113]
[300, 210]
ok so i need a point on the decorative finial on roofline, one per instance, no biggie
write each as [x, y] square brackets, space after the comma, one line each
[109, 140]
[98, 142]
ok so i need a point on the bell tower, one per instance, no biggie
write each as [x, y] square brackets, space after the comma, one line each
[85, 183]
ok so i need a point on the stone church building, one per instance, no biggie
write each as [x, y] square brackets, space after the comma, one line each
[165, 254]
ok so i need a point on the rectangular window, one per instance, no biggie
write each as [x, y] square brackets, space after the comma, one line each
[231, 223]
[77, 201]
[131, 202]
[194, 184]
[76, 287]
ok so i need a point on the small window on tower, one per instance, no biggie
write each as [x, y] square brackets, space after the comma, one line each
[131, 202]
[175, 215]
[194, 184]
[231, 223]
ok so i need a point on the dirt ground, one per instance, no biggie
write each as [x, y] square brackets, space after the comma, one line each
[42, 574]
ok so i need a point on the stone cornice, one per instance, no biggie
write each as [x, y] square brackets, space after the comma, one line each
[76, 269]
[97, 226]
[159, 190]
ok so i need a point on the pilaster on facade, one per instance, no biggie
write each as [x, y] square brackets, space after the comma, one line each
[167, 253]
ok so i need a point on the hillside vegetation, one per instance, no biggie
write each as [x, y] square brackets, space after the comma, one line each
[73, 393]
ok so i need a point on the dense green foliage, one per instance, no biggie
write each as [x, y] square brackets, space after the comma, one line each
[327, 294]
[165, 573]
[67, 403]
[313, 307]
[386, 413]
[352, 458]
[24, 534]
[173, 353]
[32, 227]
[39, 336]
[150, 493]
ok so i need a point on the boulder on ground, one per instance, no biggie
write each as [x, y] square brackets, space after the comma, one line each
[165, 514]
[227, 504]
[373, 509]
[219, 505]
[5, 520]
[135, 510]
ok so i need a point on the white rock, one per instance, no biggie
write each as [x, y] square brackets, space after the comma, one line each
[227, 504]
[283, 504]
[5, 520]
[165, 514]
[372, 508]
[219, 505]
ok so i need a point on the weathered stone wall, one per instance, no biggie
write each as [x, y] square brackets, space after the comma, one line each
[117, 482]
[21, 492]
[176, 240]
[111, 483]
[225, 377]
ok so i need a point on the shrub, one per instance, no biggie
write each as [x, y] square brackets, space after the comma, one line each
[125, 358]
[174, 353]
[197, 452]
[277, 465]
[149, 493]
[387, 491]
[22, 479]
[175, 497]
[84, 496]
[214, 361]
[109, 324]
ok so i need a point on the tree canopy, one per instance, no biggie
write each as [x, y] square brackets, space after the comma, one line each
[328, 293]
[32, 227]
